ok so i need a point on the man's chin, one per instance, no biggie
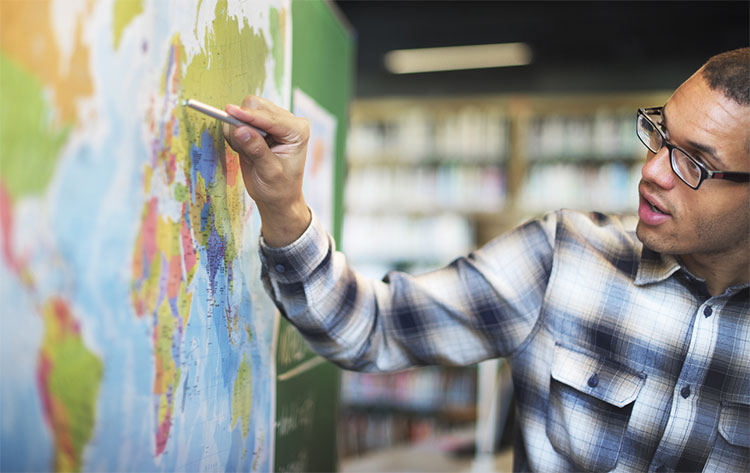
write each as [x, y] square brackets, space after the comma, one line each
[649, 239]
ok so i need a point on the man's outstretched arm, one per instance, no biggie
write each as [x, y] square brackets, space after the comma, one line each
[478, 307]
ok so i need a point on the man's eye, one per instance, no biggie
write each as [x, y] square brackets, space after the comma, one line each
[701, 161]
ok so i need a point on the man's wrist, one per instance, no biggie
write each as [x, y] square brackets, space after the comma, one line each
[283, 226]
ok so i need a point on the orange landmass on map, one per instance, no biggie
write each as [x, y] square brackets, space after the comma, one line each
[28, 38]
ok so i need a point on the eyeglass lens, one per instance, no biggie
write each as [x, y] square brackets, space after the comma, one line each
[685, 168]
[682, 165]
[649, 135]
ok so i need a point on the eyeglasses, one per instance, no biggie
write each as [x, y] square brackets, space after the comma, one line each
[691, 171]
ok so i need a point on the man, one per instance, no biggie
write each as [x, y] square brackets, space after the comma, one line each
[630, 349]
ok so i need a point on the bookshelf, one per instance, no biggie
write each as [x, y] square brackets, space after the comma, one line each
[430, 179]
[407, 407]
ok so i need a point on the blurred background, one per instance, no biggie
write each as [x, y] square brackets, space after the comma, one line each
[440, 162]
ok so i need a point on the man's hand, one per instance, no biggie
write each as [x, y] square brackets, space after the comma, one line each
[272, 167]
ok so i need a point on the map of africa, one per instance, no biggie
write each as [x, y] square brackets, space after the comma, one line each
[135, 334]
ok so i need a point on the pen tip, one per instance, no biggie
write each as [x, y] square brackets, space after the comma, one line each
[184, 103]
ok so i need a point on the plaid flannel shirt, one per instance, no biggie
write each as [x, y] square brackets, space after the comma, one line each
[621, 360]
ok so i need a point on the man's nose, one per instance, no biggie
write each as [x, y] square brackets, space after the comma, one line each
[658, 169]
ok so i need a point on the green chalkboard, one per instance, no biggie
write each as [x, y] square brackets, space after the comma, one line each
[306, 386]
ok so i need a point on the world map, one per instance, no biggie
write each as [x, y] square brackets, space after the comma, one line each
[134, 331]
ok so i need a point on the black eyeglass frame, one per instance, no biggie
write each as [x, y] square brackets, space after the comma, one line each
[705, 173]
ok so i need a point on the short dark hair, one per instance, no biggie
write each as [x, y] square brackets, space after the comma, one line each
[729, 73]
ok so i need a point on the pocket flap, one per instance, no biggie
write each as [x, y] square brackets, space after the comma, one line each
[607, 380]
[734, 423]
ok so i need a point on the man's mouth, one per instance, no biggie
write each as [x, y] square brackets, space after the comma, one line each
[649, 212]
[655, 208]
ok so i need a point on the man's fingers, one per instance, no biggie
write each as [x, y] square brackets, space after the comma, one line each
[251, 143]
[254, 102]
[272, 166]
[228, 131]
[246, 141]
[280, 123]
[243, 114]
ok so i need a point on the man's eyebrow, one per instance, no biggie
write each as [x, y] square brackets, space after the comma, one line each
[704, 149]
[709, 150]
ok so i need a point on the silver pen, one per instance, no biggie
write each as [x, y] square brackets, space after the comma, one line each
[219, 114]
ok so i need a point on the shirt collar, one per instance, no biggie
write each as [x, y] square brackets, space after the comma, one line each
[655, 267]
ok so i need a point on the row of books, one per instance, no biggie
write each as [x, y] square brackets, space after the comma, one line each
[419, 390]
[469, 133]
[392, 238]
[476, 188]
[361, 432]
[604, 135]
[608, 188]
[383, 410]
[481, 134]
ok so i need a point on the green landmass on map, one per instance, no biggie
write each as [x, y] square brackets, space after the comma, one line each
[30, 143]
[71, 375]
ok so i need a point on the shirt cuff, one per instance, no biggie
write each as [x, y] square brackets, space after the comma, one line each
[296, 261]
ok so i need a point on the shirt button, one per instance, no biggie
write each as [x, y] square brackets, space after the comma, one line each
[594, 381]
[685, 392]
[708, 311]
[280, 268]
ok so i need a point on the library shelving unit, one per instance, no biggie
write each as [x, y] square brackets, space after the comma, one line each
[418, 170]
[406, 407]
[429, 179]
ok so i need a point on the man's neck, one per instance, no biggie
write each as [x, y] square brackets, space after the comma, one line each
[719, 270]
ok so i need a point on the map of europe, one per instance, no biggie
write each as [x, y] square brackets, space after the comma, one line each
[134, 331]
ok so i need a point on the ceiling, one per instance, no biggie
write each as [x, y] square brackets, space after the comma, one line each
[577, 46]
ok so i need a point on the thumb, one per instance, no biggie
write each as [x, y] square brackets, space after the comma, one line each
[247, 142]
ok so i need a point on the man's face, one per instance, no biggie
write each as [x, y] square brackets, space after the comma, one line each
[715, 219]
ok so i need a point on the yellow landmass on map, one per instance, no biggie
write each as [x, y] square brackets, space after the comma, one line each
[242, 396]
[123, 14]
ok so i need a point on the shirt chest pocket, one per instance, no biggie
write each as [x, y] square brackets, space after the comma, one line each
[731, 451]
[589, 407]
